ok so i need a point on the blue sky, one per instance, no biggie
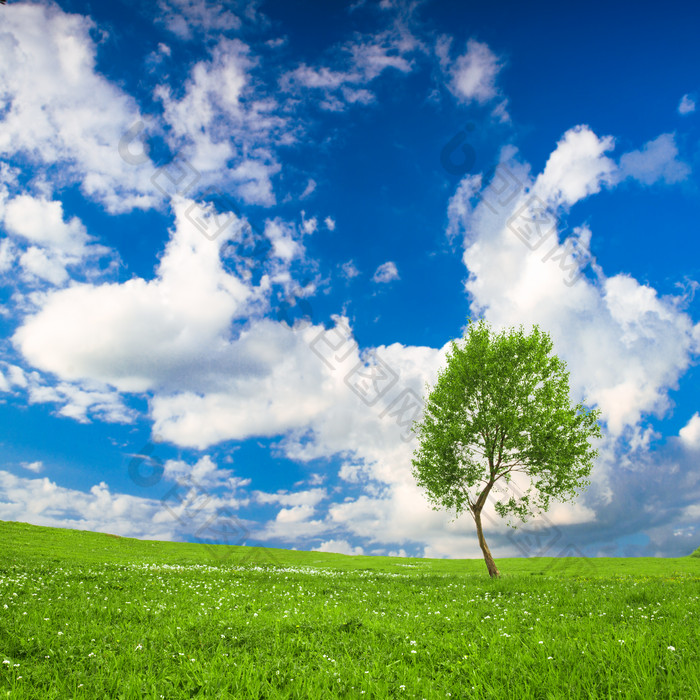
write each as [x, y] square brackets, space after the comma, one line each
[237, 239]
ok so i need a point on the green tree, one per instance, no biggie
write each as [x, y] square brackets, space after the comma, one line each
[502, 406]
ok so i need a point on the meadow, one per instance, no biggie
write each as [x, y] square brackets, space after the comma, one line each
[88, 615]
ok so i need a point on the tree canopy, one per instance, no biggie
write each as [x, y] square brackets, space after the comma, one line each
[502, 406]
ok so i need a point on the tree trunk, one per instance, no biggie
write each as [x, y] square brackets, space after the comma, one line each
[490, 563]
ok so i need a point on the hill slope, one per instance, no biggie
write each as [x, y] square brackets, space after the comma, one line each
[21, 543]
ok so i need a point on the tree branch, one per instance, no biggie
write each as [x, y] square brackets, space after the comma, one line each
[500, 449]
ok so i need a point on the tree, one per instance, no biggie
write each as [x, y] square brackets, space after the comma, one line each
[502, 406]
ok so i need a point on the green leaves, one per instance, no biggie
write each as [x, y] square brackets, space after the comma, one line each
[502, 405]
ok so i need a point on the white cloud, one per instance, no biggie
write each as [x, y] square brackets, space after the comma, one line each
[576, 168]
[309, 189]
[281, 385]
[173, 335]
[141, 335]
[56, 243]
[339, 547]
[373, 58]
[7, 255]
[17, 376]
[402, 516]
[138, 334]
[284, 245]
[204, 474]
[43, 502]
[358, 63]
[190, 18]
[386, 272]
[323, 77]
[353, 473]
[49, 81]
[690, 432]
[392, 509]
[295, 514]
[39, 263]
[310, 497]
[309, 226]
[330, 223]
[349, 269]
[472, 76]
[40, 221]
[81, 403]
[292, 524]
[656, 161]
[624, 345]
[474, 73]
[686, 105]
[220, 126]
[35, 467]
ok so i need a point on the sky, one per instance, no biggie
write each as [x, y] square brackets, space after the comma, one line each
[237, 240]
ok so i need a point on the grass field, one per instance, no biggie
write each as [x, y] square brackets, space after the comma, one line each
[93, 616]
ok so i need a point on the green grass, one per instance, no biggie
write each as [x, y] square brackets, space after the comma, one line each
[86, 615]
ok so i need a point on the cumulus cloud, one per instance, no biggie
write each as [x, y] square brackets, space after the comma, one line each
[339, 547]
[81, 401]
[309, 226]
[686, 105]
[386, 272]
[474, 73]
[625, 345]
[220, 125]
[16, 376]
[137, 335]
[172, 335]
[57, 243]
[51, 87]
[690, 432]
[284, 244]
[213, 380]
[331, 409]
[471, 77]
[40, 501]
[42, 265]
[41, 221]
[35, 467]
[292, 524]
[656, 161]
[43, 502]
[203, 474]
[284, 387]
[295, 514]
[577, 167]
[369, 426]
